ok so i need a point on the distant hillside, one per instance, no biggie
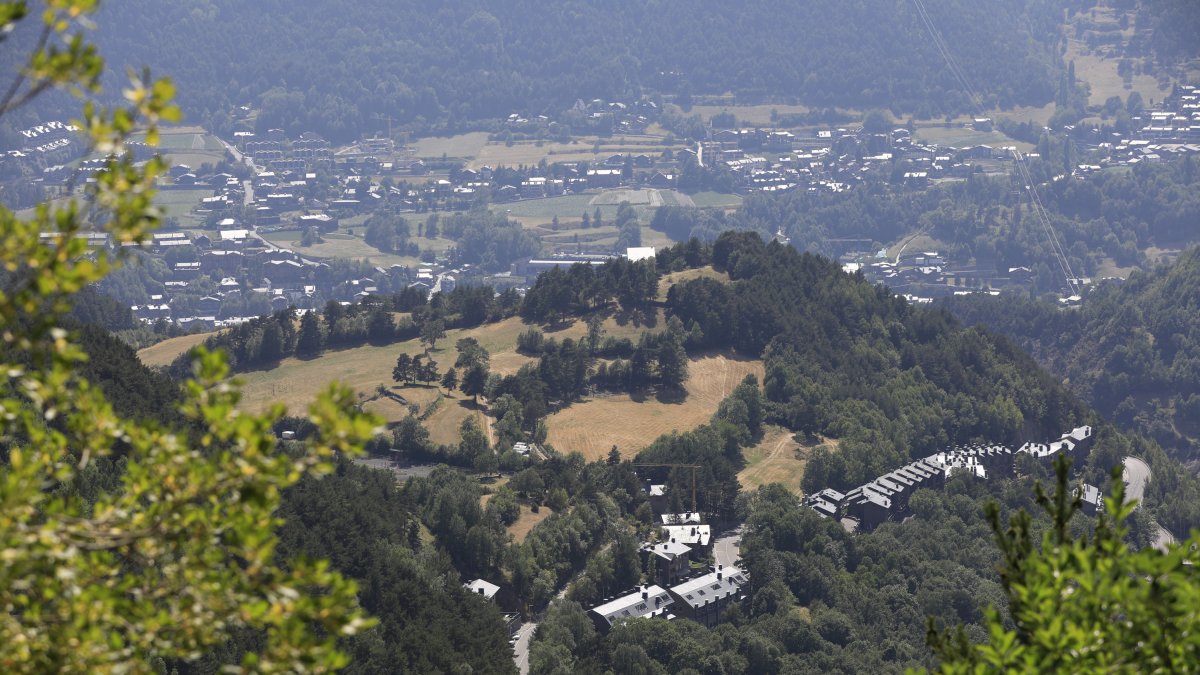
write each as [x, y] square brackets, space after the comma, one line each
[1132, 351]
[333, 67]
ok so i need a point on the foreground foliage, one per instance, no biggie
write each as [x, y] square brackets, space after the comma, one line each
[1080, 604]
[177, 552]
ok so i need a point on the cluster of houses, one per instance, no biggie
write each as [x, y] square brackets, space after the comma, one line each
[1170, 131]
[597, 115]
[240, 266]
[886, 497]
[681, 583]
[922, 276]
[46, 143]
[838, 159]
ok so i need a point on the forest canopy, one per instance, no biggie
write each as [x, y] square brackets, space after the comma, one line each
[441, 67]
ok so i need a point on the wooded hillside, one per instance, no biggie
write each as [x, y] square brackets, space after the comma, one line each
[331, 67]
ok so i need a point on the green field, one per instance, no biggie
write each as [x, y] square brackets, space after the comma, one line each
[759, 115]
[960, 137]
[344, 245]
[179, 203]
[466, 146]
[716, 200]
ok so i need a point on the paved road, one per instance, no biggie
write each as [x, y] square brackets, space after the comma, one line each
[1136, 474]
[727, 549]
[521, 650]
[526, 631]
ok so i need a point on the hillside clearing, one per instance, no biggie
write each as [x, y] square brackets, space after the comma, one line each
[669, 280]
[527, 521]
[777, 458]
[163, 353]
[592, 427]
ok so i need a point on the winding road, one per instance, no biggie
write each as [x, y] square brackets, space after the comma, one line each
[1136, 474]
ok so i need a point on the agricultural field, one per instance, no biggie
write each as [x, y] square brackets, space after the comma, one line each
[351, 246]
[163, 353]
[477, 151]
[592, 427]
[749, 115]
[538, 214]
[179, 203]
[962, 137]
[463, 146]
[716, 200]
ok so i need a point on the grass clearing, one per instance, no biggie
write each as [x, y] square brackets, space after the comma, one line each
[179, 203]
[445, 422]
[777, 458]
[527, 521]
[296, 382]
[962, 137]
[750, 114]
[1101, 75]
[716, 200]
[592, 427]
[163, 353]
[464, 146]
[669, 280]
[392, 410]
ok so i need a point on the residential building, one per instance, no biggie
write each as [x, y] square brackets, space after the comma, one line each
[706, 599]
[645, 602]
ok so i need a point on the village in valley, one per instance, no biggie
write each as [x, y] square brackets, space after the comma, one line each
[245, 245]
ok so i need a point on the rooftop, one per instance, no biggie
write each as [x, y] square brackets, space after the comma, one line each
[647, 601]
[712, 586]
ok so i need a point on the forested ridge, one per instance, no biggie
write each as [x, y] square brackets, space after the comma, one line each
[1132, 351]
[331, 66]
[845, 360]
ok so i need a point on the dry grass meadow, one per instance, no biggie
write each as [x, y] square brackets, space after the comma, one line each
[628, 423]
[527, 521]
[592, 427]
[776, 459]
[163, 353]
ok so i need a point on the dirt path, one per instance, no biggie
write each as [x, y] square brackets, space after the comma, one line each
[197, 142]
[487, 427]
[777, 451]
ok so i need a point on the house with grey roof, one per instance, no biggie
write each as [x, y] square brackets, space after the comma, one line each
[669, 559]
[645, 602]
[706, 599]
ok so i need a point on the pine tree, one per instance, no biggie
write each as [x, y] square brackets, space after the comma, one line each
[450, 380]
[308, 343]
[402, 372]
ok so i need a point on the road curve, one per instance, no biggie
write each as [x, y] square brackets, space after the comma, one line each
[1136, 474]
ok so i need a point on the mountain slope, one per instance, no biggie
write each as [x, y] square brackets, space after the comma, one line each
[1132, 351]
[333, 66]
